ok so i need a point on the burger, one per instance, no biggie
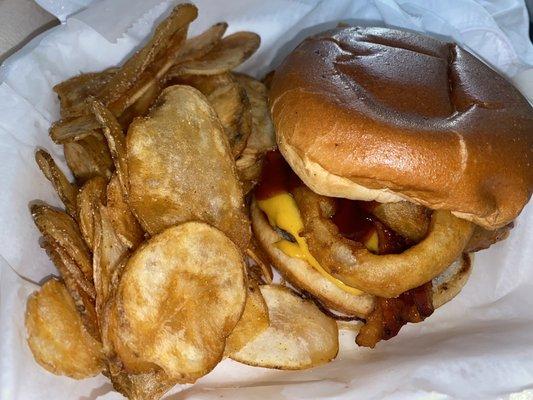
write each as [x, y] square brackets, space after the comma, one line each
[398, 156]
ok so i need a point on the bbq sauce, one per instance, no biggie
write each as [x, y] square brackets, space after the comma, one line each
[356, 222]
[276, 177]
[354, 219]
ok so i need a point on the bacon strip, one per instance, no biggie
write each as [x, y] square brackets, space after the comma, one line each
[390, 315]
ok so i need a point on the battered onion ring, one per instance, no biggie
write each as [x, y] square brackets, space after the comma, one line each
[408, 219]
[381, 275]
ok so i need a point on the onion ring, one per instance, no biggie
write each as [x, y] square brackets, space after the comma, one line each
[408, 219]
[380, 275]
[302, 275]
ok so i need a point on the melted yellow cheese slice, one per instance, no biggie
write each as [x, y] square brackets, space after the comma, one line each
[282, 212]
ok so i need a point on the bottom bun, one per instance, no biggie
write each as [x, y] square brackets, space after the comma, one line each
[448, 284]
[304, 277]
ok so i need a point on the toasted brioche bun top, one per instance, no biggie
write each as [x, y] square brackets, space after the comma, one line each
[388, 115]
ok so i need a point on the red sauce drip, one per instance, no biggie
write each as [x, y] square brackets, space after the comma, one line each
[356, 222]
[276, 177]
[353, 220]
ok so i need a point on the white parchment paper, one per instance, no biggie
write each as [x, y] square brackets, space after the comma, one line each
[480, 346]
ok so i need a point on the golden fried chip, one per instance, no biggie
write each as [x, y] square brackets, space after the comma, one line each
[109, 251]
[139, 98]
[135, 77]
[141, 104]
[73, 92]
[249, 166]
[62, 231]
[180, 167]
[180, 295]
[107, 323]
[80, 290]
[129, 362]
[116, 141]
[66, 191]
[254, 320]
[299, 336]
[150, 385]
[262, 137]
[56, 335]
[231, 52]
[73, 128]
[148, 86]
[68, 269]
[198, 46]
[128, 73]
[126, 226]
[259, 264]
[233, 109]
[89, 157]
[130, 375]
[91, 195]
[231, 104]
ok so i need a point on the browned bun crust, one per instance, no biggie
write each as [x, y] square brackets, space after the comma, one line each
[390, 115]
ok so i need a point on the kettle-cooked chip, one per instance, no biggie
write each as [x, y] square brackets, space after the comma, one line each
[91, 195]
[56, 335]
[179, 297]
[108, 252]
[231, 52]
[254, 320]
[122, 219]
[230, 102]
[62, 231]
[198, 46]
[262, 137]
[299, 336]
[89, 157]
[66, 191]
[179, 19]
[131, 376]
[145, 386]
[180, 167]
[73, 92]
[80, 289]
[116, 141]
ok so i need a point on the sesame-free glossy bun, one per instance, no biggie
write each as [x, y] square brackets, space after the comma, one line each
[388, 115]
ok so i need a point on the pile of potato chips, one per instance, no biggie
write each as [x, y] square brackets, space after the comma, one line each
[159, 275]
